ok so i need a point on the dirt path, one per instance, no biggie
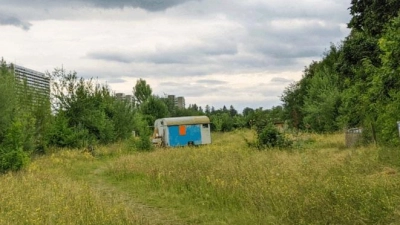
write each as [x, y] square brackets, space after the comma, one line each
[150, 214]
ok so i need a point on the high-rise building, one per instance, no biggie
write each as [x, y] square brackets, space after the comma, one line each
[123, 97]
[179, 102]
[37, 81]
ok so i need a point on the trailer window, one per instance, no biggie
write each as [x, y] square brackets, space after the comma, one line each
[205, 125]
[182, 130]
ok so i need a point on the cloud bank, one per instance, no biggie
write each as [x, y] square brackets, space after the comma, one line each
[228, 52]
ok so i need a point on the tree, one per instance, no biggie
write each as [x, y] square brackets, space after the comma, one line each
[355, 49]
[87, 113]
[7, 98]
[141, 91]
[247, 111]
[22, 121]
[293, 103]
[169, 102]
[222, 122]
[384, 89]
[322, 101]
[208, 110]
[153, 108]
[232, 111]
[371, 16]
[276, 114]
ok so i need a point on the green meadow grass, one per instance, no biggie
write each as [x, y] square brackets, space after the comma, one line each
[318, 181]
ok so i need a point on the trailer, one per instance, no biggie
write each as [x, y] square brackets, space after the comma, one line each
[182, 131]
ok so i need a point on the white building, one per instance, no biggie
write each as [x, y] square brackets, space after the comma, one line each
[37, 81]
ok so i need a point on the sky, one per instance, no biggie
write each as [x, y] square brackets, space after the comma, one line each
[213, 52]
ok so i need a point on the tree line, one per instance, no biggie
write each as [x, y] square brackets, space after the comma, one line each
[357, 83]
[81, 113]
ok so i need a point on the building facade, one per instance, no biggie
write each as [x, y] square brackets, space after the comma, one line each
[34, 79]
[38, 83]
[123, 97]
[179, 102]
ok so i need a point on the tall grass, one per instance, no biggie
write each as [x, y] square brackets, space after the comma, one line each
[318, 181]
[321, 183]
[46, 194]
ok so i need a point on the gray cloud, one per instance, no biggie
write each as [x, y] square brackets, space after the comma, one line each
[193, 90]
[170, 84]
[281, 80]
[120, 40]
[149, 5]
[211, 82]
[115, 80]
[14, 21]
[110, 56]
[186, 54]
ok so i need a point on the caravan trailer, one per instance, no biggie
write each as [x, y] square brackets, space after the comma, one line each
[182, 131]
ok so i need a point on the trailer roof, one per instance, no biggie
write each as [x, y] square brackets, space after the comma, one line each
[186, 120]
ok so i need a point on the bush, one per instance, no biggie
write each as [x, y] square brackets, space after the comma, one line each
[13, 159]
[144, 132]
[24, 120]
[144, 143]
[270, 137]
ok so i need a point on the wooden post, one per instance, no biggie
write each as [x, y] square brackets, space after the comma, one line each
[398, 127]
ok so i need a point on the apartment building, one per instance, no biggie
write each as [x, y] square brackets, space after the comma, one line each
[179, 102]
[37, 81]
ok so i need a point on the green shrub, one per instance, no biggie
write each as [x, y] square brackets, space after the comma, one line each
[13, 159]
[87, 113]
[144, 132]
[143, 143]
[270, 137]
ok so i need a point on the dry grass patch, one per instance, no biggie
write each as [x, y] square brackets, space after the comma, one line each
[45, 194]
[318, 181]
[323, 183]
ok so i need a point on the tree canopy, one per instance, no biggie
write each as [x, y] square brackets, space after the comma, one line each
[357, 83]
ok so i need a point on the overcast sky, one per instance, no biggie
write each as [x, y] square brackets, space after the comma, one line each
[216, 52]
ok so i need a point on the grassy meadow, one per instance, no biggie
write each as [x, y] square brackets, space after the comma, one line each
[318, 181]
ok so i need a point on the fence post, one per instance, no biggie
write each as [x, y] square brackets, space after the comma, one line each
[398, 127]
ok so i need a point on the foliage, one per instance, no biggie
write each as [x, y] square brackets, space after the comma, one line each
[221, 122]
[13, 159]
[371, 16]
[356, 84]
[268, 136]
[153, 108]
[143, 130]
[122, 114]
[271, 137]
[7, 99]
[62, 135]
[293, 102]
[322, 101]
[142, 91]
[87, 113]
[24, 120]
[224, 120]
[385, 88]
